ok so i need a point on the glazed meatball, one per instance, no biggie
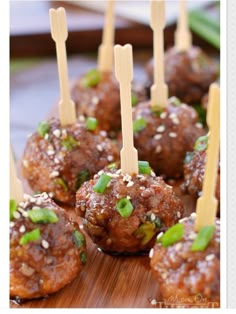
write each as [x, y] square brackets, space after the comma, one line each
[59, 159]
[194, 170]
[163, 137]
[97, 94]
[188, 74]
[188, 278]
[43, 244]
[129, 213]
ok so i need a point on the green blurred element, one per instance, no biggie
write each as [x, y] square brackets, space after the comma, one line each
[17, 65]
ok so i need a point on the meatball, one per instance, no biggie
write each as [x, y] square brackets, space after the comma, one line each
[188, 74]
[43, 244]
[130, 212]
[194, 170]
[97, 94]
[59, 159]
[188, 278]
[163, 137]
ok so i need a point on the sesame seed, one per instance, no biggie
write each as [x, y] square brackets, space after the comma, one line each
[36, 207]
[54, 174]
[32, 199]
[142, 188]
[64, 132]
[45, 195]
[128, 197]
[56, 160]
[51, 152]
[46, 136]
[21, 204]
[100, 172]
[22, 229]
[151, 253]
[172, 115]
[81, 118]
[26, 197]
[51, 194]
[103, 133]
[159, 235]
[183, 219]
[25, 163]
[157, 137]
[118, 171]
[110, 158]
[25, 214]
[178, 214]
[153, 174]
[87, 196]
[16, 215]
[57, 132]
[12, 224]
[209, 257]
[158, 149]
[99, 148]
[164, 276]
[154, 302]
[178, 246]
[153, 217]
[198, 125]
[193, 215]
[127, 178]
[163, 115]
[131, 183]
[161, 128]
[172, 134]
[175, 121]
[45, 244]
[95, 100]
[192, 235]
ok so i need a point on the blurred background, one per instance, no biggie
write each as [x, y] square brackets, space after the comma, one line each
[34, 86]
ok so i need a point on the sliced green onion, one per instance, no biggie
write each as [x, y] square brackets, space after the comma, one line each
[144, 167]
[124, 207]
[83, 257]
[134, 100]
[112, 165]
[69, 143]
[139, 125]
[78, 238]
[201, 143]
[33, 235]
[188, 157]
[201, 114]
[42, 215]
[172, 235]
[82, 176]
[102, 183]
[62, 183]
[146, 231]
[157, 110]
[91, 123]
[204, 236]
[175, 101]
[92, 78]
[43, 128]
[13, 208]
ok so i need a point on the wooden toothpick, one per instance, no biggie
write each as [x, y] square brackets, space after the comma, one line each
[16, 188]
[183, 37]
[207, 203]
[124, 74]
[59, 34]
[106, 51]
[159, 90]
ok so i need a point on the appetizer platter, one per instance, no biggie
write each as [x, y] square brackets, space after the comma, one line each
[118, 199]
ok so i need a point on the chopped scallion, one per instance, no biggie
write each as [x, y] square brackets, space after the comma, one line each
[42, 215]
[172, 235]
[92, 78]
[13, 208]
[143, 167]
[157, 110]
[201, 143]
[175, 101]
[82, 176]
[69, 143]
[124, 207]
[204, 236]
[83, 257]
[33, 235]
[134, 100]
[43, 128]
[146, 231]
[91, 123]
[102, 183]
[78, 238]
[139, 125]
[62, 183]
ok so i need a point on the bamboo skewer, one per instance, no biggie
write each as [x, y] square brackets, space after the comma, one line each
[105, 51]
[183, 37]
[16, 188]
[159, 90]
[207, 203]
[59, 34]
[124, 74]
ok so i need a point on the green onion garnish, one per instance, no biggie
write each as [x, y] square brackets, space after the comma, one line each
[201, 114]
[33, 235]
[13, 208]
[146, 231]
[91, 123]
[112, 165]
[139, 125]
[204, 236]
[188, 157]
[62, 183]
[157, 110]
[78, 238]
[124, 207]
[69, 143]
[92, 78]
[42, 215]
[43, 128]
[143, 167]
[83, 257]
[102, 183]
[175, 101]
[134, 100]
[201, 143]
[82, 176]
[172, 235]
